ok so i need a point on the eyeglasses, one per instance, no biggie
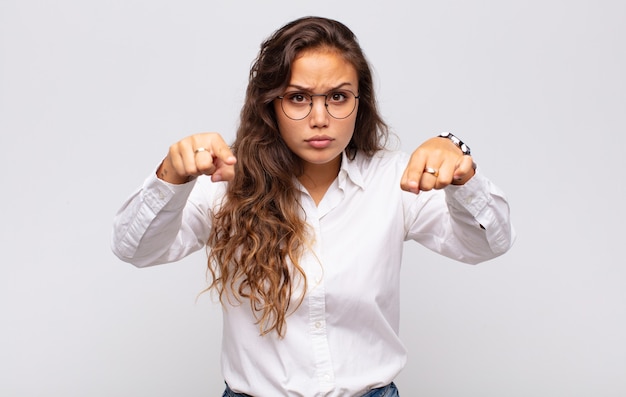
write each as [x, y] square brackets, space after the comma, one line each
[339, 104]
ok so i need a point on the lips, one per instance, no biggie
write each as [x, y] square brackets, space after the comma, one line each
[319, 141]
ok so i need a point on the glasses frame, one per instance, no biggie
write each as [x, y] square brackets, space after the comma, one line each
[311, 104]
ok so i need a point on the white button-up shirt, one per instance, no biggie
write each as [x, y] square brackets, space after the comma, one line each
[343, 339]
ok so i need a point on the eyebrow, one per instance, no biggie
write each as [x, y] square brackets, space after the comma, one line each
[305, 89]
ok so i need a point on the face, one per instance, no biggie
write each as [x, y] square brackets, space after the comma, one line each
[318, 139]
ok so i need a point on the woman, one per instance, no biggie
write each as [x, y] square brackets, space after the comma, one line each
[305, 238]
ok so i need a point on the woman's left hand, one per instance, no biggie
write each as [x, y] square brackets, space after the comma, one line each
[435, 164]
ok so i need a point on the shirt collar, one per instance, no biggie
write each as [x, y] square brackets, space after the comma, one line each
[350, 171]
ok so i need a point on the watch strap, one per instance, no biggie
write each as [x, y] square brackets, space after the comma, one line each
[459, 143]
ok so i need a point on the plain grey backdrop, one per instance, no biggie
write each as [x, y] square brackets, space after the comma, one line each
[92, 93]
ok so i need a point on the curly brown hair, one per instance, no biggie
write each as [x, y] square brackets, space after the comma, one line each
[258, 232]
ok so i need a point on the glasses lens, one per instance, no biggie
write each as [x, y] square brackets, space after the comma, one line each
[340, 104]
[298, 105]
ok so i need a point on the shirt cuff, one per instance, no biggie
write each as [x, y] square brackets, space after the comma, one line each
[160, 195]
[472, 197]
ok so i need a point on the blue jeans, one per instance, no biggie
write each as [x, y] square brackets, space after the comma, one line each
[387, 391]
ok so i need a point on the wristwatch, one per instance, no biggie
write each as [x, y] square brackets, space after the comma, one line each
[459, 143]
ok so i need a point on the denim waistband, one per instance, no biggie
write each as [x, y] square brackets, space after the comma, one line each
[385, 391]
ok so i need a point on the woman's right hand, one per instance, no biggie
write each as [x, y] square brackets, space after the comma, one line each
[199, 154]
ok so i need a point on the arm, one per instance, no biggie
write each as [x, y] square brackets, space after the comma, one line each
[461, 214]
[158, 224]
[469, 223]
[168, 218]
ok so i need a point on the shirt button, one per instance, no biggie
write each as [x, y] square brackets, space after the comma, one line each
[318, 324]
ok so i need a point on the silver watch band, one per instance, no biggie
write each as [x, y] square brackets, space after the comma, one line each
[461, 145]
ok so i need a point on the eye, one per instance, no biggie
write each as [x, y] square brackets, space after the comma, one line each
[337, 97]
[297, 97]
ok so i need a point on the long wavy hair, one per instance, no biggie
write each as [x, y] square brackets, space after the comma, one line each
[259, 232]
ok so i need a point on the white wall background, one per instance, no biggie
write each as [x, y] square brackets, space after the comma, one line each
[92, 94]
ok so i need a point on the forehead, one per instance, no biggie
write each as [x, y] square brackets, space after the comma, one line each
[322, 69]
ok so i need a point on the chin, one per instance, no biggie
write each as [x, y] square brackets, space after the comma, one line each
[321, 160]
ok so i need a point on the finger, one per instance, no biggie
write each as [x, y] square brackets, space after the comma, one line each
[445, 173]
[222, 151]
[204, 161]
[223, 171]
[429, 178]
[178, 159]
[186, 148]
[412, 175]
[211, 152]
[224, 160]
[213, 157]
[464, 170]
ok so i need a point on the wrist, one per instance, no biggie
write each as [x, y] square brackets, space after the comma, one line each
[459, 143]
[164, 173]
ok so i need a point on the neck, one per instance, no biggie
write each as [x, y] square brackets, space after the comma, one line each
[317, 178]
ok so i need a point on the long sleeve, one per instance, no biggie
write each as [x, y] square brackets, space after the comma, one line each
[161, 222]
[472, 224]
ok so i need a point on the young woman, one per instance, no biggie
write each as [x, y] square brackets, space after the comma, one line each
[305, 236]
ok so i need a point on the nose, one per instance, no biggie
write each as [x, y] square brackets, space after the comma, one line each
[319, 115]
